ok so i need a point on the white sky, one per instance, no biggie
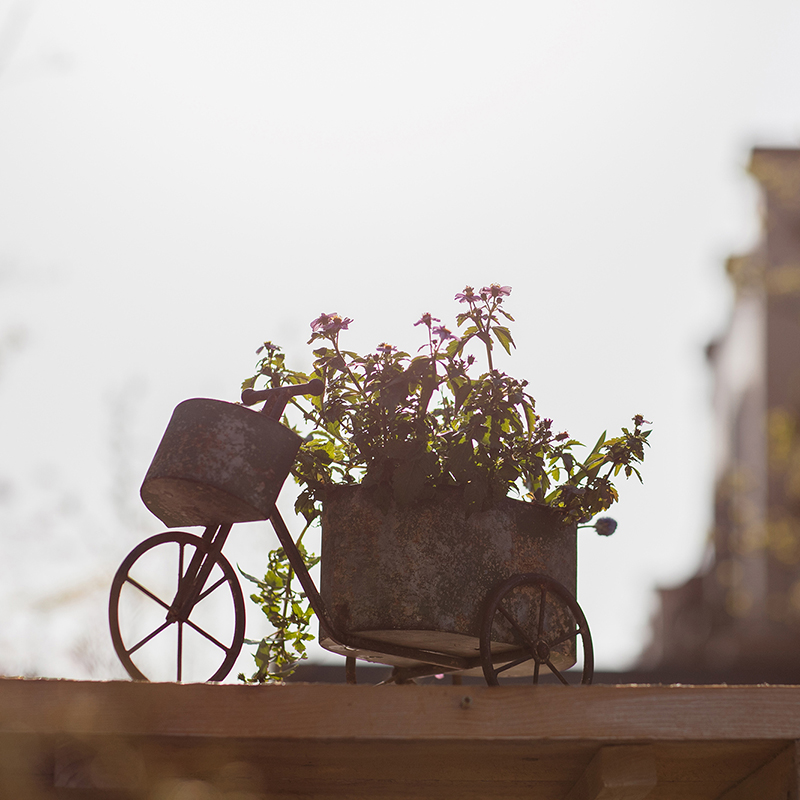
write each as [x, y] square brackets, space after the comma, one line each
[181, 180]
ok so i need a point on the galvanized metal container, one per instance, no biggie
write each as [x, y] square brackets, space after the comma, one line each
[218, 463]
[419, 576]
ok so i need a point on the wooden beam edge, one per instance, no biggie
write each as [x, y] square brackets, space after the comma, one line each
[316, 711]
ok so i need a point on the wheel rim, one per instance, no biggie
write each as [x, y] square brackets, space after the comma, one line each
[542, 634]
[153, 639]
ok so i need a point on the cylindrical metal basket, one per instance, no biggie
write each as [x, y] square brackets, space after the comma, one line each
[218, 463]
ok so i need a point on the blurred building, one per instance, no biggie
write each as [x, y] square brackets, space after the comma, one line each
[738, 619]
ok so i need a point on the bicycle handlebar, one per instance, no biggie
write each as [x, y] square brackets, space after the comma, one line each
[251, 396]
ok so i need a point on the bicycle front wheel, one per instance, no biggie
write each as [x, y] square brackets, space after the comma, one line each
[155, 639]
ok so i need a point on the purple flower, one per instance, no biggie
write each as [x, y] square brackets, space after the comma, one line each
[385, 348]
[330, 323]
[467, 296]
[495, 290]
[426, 319]
[442, 333]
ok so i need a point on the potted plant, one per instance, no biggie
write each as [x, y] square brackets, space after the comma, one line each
[396, 433]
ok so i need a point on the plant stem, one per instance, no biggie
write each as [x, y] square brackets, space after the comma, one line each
[318, 421]
[302, 534]
[347, 369]
[485, 331]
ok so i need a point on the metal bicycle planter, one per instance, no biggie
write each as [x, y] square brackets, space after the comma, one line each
[422, 589]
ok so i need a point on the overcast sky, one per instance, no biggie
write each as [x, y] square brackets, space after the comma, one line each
[181, 180]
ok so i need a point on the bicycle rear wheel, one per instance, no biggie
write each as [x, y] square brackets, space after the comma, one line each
[153, 638]
[546, 624]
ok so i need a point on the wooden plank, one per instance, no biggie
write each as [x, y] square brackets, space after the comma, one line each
[711, 767]
[776, 780]
[355, 789]
[333, 761]
[617, 773]
[332, 742]
[148, 766]
[360, 769]
[603, 714]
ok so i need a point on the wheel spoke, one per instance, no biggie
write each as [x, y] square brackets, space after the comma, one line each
[536, 670]
[207, 635]
[556, 672]
[147, 592]
[149, 637]
[516, 626]
[208, 591]
[566, 637]
[185, 584]
[514, 664]
[180, 650]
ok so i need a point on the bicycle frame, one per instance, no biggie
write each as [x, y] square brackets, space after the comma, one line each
[196, 575]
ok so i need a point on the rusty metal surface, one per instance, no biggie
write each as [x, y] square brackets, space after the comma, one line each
[420, 576]
[218, 463]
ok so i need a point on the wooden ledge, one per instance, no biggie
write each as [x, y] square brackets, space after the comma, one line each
[323, 711]
[92, 741]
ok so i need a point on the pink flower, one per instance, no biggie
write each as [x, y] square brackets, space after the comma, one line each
[495, 290]
[330, 323]
[385, 348]
[467, 296]
[426, 319]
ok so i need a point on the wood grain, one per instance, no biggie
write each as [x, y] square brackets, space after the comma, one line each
[631, 714]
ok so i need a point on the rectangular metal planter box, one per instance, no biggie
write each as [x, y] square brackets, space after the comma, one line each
[420, 576]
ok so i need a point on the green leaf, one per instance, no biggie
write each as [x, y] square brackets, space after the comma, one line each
[503, 336]
[460, 395]
[251, 578]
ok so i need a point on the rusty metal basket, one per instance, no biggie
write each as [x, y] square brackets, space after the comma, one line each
[218, 463]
